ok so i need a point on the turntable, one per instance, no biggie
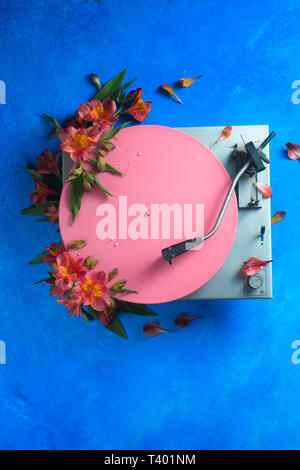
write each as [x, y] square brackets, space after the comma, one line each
[214, 211]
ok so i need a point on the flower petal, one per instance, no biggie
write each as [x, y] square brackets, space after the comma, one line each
[265, 190]
[152, 329]
[253, 266]
[185, 82]
[226, 132]
[293, 151]
[278, 217]
[184, 320]
[170, 90]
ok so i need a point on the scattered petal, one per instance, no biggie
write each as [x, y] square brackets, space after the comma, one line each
[278, 217]
[226, 132]
[265, 190]
[170, 90]
[152, 329]
[184, 320]
[293, 151]
[185, 82]
[253, 266]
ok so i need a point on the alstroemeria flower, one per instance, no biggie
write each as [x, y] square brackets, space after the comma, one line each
[52, 213]
[72, 306]
[68, 271]
[39, 195]
[92, 291]
[80, 143]
[76, 122]
[54, 250]
[139, 109]
[48, 163]
[102, 114]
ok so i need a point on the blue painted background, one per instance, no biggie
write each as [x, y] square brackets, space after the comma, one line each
[225, 382]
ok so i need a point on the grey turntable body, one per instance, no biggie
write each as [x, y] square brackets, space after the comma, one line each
[253, 214]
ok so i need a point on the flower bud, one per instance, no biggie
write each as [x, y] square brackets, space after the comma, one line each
[78, 170]
[100, 163]
[112, 274]
[108, 145]
[93, 264]
[87, 187]
[77, 244]
[54, 133]
[89, 176]
[87, 261]
[95, 79]
[118, 285]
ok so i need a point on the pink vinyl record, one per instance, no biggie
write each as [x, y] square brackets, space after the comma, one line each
[171, 183]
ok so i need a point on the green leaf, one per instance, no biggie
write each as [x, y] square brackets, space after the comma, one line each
[52, 120]
[42, 280]
[126, 85]
[122, 291]
[102, 187]
[114, 130]
[87, 316]
[72, 177]
[75, 196]
[38, 210]
[137, 309]
[111, 169]
[111, 88]
[39, 258]
[92, 312]
[35, 174]
[115, 325]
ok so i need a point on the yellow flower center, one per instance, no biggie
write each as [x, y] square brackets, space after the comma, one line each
[140, 105]
[82, 140]
[91, 288]
[64, 271]
[99, 112]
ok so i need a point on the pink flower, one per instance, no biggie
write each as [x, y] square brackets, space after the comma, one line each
[48, 163]
[92, 291]
[41, 192]
[80, 143]
[139, 109]
[68, 272]
[72, 306]
[52, 213]
[102, 114]
[76, 122]
[55, 249]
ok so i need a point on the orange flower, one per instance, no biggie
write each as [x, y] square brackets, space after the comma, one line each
[139, 109]
[48, 163]
[80, 143]
[55, 249]
[92, 291]
[72, 307]
[102, 114]
[39, 195]
[52, 213]
[68, 272]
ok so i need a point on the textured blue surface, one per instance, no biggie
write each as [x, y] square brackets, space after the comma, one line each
[225, 382]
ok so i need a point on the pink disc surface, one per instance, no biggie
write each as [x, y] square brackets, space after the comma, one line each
[160, 166]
